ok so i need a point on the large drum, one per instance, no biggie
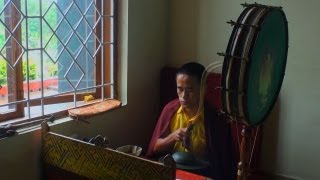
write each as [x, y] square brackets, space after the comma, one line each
[254, 63]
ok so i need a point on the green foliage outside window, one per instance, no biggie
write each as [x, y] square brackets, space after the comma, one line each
[3, 72]
[32, 71]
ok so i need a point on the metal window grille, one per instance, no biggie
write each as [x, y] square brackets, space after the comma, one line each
[65, 41]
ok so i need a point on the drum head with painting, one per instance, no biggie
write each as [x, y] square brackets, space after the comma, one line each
[252, 84]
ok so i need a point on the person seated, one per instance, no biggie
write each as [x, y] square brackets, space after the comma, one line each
[189, 124]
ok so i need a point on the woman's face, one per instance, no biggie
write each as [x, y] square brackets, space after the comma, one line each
[188, 89]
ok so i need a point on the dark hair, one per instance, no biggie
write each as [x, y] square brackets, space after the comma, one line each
[193, 69]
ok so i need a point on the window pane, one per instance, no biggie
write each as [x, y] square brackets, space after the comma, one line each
[76, 65]
[34, 29]
[6, 94]
[53, 53]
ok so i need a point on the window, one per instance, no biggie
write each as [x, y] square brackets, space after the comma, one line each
[53, 53]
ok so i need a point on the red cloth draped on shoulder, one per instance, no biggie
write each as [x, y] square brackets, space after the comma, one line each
[218, 137]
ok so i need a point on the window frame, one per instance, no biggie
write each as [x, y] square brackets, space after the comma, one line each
[17, 72]
[110, 64]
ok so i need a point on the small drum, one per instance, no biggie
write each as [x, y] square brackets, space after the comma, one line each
[254, 63]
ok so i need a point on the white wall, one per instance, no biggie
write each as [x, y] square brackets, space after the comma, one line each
[290, 146]
[183, 31]
[146, 53]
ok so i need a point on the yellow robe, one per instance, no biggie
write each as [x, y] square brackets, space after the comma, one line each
[197, 139]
